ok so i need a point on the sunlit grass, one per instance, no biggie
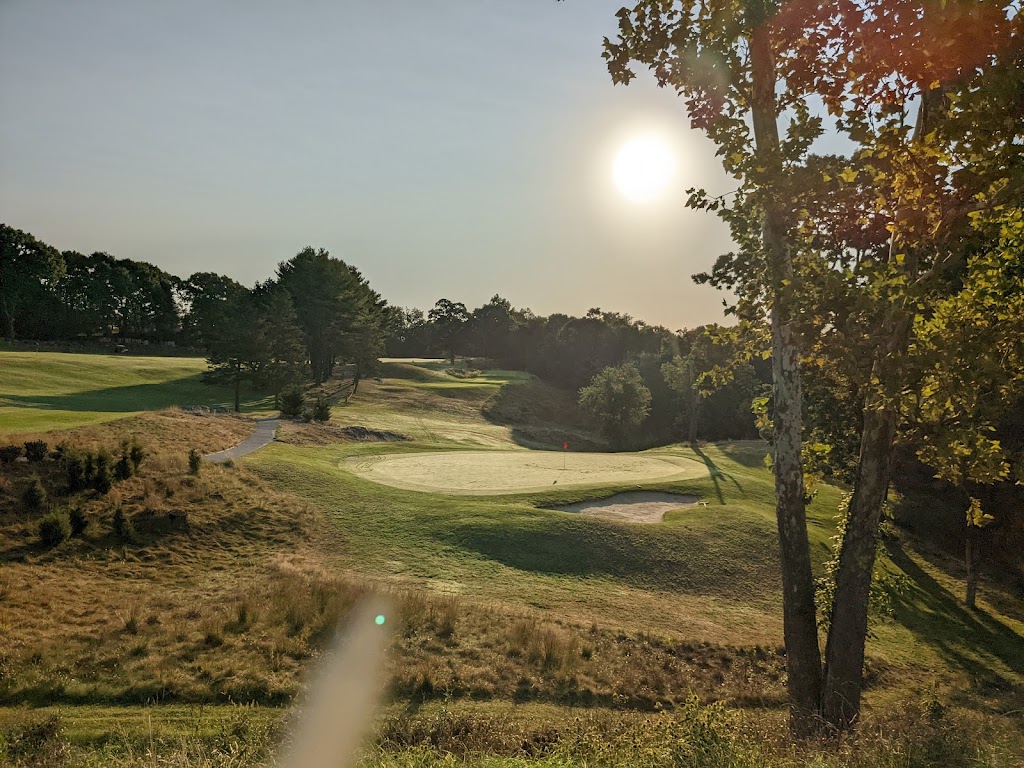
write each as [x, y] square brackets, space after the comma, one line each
[42, 391]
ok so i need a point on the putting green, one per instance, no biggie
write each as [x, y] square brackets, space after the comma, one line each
[496, 472]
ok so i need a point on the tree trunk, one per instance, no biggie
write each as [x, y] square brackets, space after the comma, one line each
[357, 376]
[847, 636]
[694, 418]
[238, 385]
[844, 650]
[971, 560]
[803, 656]
[10, 327]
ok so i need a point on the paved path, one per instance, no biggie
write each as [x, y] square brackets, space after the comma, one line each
[264, 435]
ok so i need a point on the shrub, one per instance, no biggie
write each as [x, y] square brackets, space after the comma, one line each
[54, 528]
[101, 479]
[36, 450]
[322, 409]
[74, 469]
[34, 495]
[89, 461]
[195, 460]
[617, 401]
[123, 469]
[121, 525]
[79, 521]
[9, 453]
[136, 454]
[292, 402]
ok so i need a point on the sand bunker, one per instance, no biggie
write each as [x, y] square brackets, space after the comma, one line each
[632, 507]
[495, 472]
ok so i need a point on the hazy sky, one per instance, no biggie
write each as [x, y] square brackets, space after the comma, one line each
[455, 148]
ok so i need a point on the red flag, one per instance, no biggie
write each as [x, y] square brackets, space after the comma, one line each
[565, 445]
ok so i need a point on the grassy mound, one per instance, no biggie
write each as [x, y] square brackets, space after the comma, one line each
[42, 391]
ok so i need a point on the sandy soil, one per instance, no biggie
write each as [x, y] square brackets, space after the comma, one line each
[494, 472]
[633, 507]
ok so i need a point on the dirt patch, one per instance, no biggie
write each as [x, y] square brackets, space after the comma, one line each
[372, 435]
[297, 433]
[632, 507]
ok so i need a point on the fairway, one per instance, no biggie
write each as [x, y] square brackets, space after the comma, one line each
[40, 391]
[497, 472]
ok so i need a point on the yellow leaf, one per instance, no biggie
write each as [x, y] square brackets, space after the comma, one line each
[848, 175]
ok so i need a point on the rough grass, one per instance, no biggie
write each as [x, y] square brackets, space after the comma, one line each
[915, 735]
[42, 391]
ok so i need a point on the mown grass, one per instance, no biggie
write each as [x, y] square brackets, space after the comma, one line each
[42, 391]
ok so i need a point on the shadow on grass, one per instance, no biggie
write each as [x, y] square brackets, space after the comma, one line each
[716, 563]
[746, 453]
[972, 641]
[715, 473]
[191, 391]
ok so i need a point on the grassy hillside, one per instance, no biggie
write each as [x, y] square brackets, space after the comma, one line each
[41, 391]
[526, 636]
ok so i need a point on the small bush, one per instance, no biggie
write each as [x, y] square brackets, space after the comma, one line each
[121, 525]
[292, 402]
[101, 479]
[322, 409]
[136, 454]
[54, 528]
[123, 469]
[195, 461]
[74, 470]
[34, 496]
[36, 450]
[9, 453]
[79, 521]
[89, 461]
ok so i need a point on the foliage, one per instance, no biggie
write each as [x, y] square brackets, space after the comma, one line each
[136, 453]
[33, 497]
[78, 519]
[617, 401]
[55, 528]
[28, 268]
[36, 450]
[321, 409]
[121, 525]
[292, 401]
[74, 470]
[341, 317]
[884, 585]
[102, 480]
[123, 468]
[8, 453]
[449, 319]
[195, 461]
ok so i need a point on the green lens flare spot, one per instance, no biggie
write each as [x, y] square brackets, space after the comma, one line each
[380, 619]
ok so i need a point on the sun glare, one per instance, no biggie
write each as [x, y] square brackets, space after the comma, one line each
[643, 169]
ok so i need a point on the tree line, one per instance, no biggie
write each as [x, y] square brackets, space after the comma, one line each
[693, 383]
[316, 316]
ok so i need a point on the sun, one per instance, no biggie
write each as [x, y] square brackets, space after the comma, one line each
[643, 169]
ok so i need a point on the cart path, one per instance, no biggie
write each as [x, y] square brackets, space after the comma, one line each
[264, 435]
